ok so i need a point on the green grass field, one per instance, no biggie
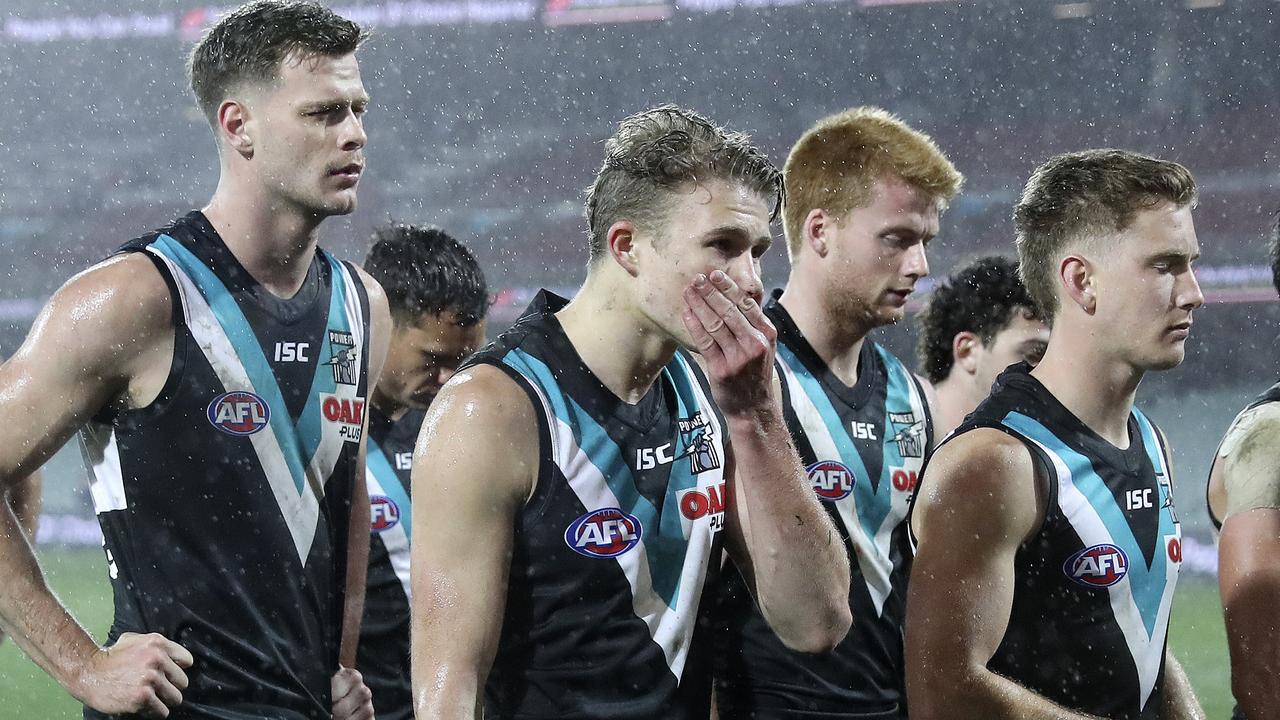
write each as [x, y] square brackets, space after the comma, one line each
[79, 578]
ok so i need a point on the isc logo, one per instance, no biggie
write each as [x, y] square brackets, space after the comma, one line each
[831, 480]
[384, 514]
[1098, 566]
[239, 413]
[604, 533]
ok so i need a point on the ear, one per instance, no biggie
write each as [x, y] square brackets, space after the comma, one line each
[621, 240]
[966, 347]
[816, 224]
[233, 127]
[1076, 274]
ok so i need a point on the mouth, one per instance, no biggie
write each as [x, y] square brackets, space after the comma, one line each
[898, 297]
[350, 171]
[1180, 331]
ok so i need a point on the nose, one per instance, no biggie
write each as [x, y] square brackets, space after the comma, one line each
[745, 272]
[1189, 296]
[445, 373]
[353, 135]
[915, 265]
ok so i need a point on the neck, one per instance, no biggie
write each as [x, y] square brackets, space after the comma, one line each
[273, 240]
[957, 397]
[618, 345]
[836, 337]
[1094, 387]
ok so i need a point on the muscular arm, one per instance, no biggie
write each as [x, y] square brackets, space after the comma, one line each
[104, 337]
[474, 467]
[977, 504]
[1249, 574]
[778, 534]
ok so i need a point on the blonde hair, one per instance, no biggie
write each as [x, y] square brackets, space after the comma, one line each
[1087, 195]
[836, 163]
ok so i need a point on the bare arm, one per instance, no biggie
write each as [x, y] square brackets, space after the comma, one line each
[978, 504]
[26, 501]
[778, 534]
[464, 490]
[105, 337]
[1248, 468]
[1180, 701]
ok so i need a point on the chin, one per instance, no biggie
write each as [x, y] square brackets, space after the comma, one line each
[1167, 361]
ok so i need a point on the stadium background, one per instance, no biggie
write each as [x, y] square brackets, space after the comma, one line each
[488, 118]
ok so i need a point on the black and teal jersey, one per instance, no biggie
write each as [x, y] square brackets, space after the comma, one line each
[225, 503]
[1094, 586]
[616, 546]
[384, 635]
[863, 447]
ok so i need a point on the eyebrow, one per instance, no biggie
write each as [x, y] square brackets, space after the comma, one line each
[739, 232]
[334, 103]
[915, 230]
[1176, 255]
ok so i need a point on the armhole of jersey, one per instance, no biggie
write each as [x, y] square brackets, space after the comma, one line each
[1041, 471]
[542, 488]
[700, 377]
[177, 360]
[928, 412]
[366, 319]
[1208, 485]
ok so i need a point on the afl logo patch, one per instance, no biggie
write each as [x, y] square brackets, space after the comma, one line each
[604, 533]
[384, 514]
[239, 413]
[831, 480]
[1099, 566]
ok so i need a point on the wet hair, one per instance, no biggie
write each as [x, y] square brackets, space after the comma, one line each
[1085, 196]
[249, 44]
[982, 298]
[836, 163]
[1273, 253]
[661, 150]
[424, 271]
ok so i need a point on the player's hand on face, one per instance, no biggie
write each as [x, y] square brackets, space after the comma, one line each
[352, 699]
[736, 341]
[139, 674]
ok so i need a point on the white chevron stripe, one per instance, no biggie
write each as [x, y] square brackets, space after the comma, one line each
[671, 629]
[299, 510]
[1147, 652]
[873, 557]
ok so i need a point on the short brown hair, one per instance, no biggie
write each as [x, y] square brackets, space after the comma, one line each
[836, 163]
[659, 150]
[1081, 195]
[249, 44]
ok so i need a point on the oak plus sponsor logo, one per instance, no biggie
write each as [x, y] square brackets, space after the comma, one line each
[239, 413]
[603, 533]
[831, 480]
[345, 412]
[704, 502]
[1097, 566]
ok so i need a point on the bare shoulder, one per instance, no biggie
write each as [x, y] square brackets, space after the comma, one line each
[483, 423]
[984, 474]
[116, 308]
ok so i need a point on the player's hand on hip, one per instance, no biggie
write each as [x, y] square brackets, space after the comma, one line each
[729, 329]
[139, 674]
[352, 699]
